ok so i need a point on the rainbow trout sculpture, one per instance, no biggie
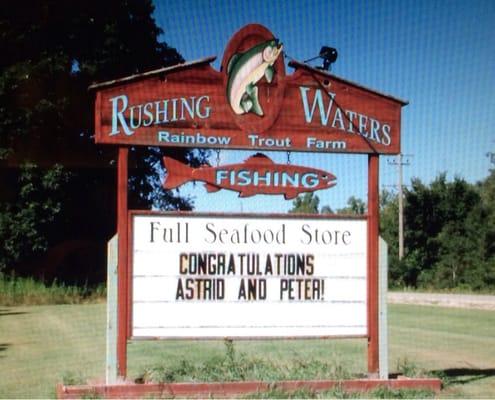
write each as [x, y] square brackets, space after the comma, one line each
[245, 70]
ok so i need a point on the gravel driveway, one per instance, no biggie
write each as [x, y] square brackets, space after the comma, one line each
[481, 302]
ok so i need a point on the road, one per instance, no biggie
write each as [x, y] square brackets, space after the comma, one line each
[475, 301]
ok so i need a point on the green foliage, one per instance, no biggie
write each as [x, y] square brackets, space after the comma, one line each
[338, 393]
[70, 378]
[409, 368]
[326, 210]
[445, 236]
[306, 203]
[449, 233]
[233, 366]
[389, 231]
[51, 52]
[27, 291]
[449, 229]
[355, 206]
[34, 209]
[486, 190]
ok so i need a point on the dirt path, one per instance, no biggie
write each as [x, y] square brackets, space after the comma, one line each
[481, 302]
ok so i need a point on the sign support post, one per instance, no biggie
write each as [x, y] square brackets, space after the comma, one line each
[123, 293]
[373, 230]
[383, 331]
[112, 279]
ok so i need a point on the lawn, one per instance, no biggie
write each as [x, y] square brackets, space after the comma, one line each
[42, 345]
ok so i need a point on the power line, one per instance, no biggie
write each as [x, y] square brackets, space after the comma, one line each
[402, 159]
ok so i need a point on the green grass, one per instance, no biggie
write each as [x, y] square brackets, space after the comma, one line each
[379, 393]
[455, 290]
[43, 345]
[15, 291]
[239, 366]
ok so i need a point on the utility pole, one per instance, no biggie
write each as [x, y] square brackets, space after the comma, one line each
[491, 155]
[400, 161]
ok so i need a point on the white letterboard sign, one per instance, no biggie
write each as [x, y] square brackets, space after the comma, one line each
[199, 276]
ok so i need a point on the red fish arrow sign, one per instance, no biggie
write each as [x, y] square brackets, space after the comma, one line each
[257, 175]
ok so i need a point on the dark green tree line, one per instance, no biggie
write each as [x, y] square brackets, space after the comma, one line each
[449, 232]
[448, 235]
[309, 203]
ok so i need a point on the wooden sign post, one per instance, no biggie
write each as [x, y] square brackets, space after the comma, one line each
[373, 232]
[123, 268]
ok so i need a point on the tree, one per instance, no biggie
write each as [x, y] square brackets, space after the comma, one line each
[445, 235]
[486, 190]
[449, 232]
[355, 206]
[326, 210]
[51, 52]
[305, 204]
[308, 203]
[38, 204]
[389, 231]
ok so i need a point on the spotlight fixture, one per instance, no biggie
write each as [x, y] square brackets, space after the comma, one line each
[329, 56]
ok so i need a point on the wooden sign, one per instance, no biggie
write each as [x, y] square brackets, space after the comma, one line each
[257, 175]
[257, 276]
[250, 104]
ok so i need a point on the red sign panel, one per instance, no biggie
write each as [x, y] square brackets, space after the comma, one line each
[249, 104]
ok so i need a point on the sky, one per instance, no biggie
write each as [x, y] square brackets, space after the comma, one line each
[438, 55]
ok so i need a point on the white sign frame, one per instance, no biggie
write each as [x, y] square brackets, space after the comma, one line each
[211, 319]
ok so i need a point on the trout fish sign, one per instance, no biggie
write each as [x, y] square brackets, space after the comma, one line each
[245, 70]
[257, 175]
[249, 104]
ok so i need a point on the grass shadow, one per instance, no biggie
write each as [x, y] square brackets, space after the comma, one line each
[6, 311]
[462, 376]
[4, 347]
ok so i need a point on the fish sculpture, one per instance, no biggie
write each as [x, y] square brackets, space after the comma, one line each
[256, 175]
[244, 70]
